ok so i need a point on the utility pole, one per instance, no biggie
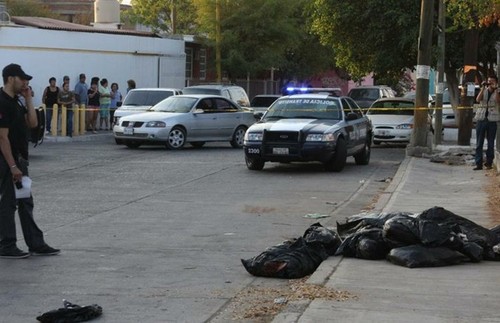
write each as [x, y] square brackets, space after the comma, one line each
[418, 144]
[218, 36]
[497, 153]
[173, 17]
[438, 115]
[467, 101]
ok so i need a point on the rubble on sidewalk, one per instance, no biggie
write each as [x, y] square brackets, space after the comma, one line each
[454, 156]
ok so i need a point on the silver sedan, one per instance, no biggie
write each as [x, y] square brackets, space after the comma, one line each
[196, 118]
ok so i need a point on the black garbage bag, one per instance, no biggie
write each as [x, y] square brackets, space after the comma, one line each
[71, 313]
[328, 237]
[473, 251]
[401, 230]
[496, 232]
[420, 256]
[434, 235]
[291, 259]
[455, 223]
[358, 222]
[364, 244]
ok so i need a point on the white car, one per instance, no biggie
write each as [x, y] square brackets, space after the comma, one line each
[140, 100]
[196, 118]
[448, 115]
[392, 120]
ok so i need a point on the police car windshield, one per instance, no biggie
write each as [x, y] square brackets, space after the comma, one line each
[304, 108]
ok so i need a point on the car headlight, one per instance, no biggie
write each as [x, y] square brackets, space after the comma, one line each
[156, 124]
[253, 136]
[405, 126]
[320, 137]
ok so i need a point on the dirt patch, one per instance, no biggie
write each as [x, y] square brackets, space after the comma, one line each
[493, 191]
[261, 304]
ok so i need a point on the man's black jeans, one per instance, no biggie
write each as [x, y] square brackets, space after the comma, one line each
[33, 236]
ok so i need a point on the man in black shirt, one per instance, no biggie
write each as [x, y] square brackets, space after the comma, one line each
[15, 120]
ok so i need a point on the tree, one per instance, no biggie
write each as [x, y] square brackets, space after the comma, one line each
[164, 15]
[472, 18]
[29, 8]
[369, 36]
[380, 36]
[254, 41]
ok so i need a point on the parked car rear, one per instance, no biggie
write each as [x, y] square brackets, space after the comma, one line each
[261, 102]
[364, 96]
[230, 91]
[140, 100]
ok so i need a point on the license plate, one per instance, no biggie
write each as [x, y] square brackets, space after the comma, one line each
[381, 133]
[280, 151]
[128, 131]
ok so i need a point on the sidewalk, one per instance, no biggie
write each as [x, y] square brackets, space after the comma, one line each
[388, 293]
[88, 136]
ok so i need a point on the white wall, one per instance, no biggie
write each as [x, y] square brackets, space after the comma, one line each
[151, 62]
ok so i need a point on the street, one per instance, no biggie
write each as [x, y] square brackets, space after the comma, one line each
[154, 235]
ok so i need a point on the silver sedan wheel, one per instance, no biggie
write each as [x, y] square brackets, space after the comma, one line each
[176, 138]
[238, 137]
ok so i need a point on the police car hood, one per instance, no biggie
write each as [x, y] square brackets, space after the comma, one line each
[305, 125]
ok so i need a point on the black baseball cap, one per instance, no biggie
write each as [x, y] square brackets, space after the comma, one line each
[15, 70]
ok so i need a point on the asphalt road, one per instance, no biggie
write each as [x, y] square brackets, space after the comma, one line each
[154, 235]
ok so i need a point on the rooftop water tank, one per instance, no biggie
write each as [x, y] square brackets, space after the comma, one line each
[107, 12]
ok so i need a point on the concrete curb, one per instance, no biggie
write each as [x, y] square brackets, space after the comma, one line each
[326, 269]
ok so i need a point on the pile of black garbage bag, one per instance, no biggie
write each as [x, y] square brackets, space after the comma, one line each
[435, 237]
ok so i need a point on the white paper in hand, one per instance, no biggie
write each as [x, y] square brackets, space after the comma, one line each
[25, 191]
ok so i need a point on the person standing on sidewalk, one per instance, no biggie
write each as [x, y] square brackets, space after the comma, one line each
[487, 116]
[81, 90]
[104, 102]
[67, 98]
[93, 107]
[49, 98]
[15, 121]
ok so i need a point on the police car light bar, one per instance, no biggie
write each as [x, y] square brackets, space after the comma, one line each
[319, 90]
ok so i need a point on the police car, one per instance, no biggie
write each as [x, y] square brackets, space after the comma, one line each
[310, 127]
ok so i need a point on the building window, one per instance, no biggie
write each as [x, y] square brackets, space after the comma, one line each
[189, 63]
[203, 63]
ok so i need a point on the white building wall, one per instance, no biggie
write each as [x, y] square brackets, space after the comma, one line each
[151, 62]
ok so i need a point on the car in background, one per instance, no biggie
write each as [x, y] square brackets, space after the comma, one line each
[193, 118]
[309, 127]
[365, 95]
[449, 116]
[392, 120]
[140, 100]
[233, 92]
[261, 102]
[412, 95]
